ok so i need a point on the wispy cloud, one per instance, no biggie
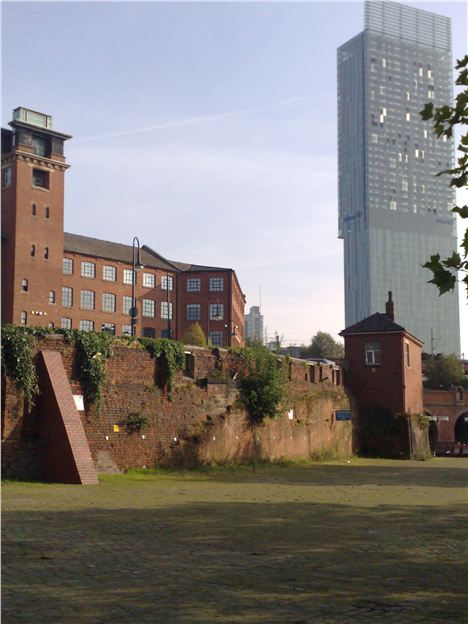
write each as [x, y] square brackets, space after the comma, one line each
[200, 119]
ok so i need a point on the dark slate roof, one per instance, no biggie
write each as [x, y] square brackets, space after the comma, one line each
[377, 322]
[114, 251]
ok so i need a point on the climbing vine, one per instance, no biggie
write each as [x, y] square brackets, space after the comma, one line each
[92, 350]
[171, 351]
[17, 363]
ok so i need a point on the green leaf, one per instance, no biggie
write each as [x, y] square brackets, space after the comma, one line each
[427, 111]
[462, 211]
[453, 262]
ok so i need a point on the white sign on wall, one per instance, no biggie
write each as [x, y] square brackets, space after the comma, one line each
[79, 403]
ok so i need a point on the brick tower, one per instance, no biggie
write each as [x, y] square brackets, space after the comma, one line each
[33, 168]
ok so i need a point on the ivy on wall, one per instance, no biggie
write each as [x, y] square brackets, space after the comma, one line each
[171, 351]
[17, 363]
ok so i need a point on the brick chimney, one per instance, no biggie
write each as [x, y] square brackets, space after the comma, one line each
[390, 307]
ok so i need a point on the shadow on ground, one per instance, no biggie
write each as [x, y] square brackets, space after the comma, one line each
[235, 562]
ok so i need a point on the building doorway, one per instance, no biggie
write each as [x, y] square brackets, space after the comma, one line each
[461, 429]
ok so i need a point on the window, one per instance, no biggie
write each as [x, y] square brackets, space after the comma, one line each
[148, 332]
[86, 326]
[149, 280]
[87, 300]
[33, 209]
[166, 310]
[429, 73]
[7, 175]
[216, 284]
[126, 330]
[126, 305]
[108, 328]
[109, 273]
[65, 323]
[23, 317]
[372, 353]
[88, 269]
[193, 312]
[148, 307]
[216, 338]
[430, 94]
[108, 302]
[404, 184]
[24, 285]
[46, 253]
[67, 266]
[127, 276]
[67, 297]
[33, 250]
[408, 116]
[40, 145]
[408, 95]
[393, 205]
[381, 90]
[51, 296]
[166, 282]
[216, 311]
[193, 284]
[166, 333]
[425, 133]
[40, 178]
[46, 212]
[407, 354]
[374, 138]
[392, 163]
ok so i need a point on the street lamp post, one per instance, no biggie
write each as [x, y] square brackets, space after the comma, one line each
[136, 266]
[232, 328]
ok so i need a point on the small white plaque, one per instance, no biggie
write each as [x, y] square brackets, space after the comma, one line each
[291, 414]
[79, 403]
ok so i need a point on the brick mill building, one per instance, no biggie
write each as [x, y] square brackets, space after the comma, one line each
[56, 279]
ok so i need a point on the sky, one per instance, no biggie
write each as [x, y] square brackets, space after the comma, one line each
[208, 130]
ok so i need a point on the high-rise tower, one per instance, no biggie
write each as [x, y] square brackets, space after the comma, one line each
[393, 210]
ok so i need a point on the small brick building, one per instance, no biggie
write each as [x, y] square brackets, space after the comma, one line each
[384, 375]
[448, 413]
[57, 279]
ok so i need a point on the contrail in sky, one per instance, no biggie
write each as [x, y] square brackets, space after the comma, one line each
[190, 121]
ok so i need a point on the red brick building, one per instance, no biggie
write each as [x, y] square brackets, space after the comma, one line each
[448, 413]
[384, 375]
[52, 278]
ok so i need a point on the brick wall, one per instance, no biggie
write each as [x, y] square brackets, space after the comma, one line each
[445, 407]
[204, 421]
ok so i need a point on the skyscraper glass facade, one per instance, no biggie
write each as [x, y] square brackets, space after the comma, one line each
[393, 210]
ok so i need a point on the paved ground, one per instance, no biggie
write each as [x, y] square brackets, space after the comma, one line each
[369, 542]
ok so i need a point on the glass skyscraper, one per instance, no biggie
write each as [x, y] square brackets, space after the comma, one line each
[394, 213]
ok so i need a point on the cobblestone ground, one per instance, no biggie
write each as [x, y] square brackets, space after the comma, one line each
[366, 542]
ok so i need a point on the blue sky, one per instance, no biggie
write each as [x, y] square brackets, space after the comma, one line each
[206, 129]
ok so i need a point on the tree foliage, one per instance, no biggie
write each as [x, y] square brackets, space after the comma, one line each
[323, 345]
[263, 388]
[445, 118]
[443, 371]
[194, 336]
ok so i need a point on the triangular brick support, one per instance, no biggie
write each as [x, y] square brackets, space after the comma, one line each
[67, 458]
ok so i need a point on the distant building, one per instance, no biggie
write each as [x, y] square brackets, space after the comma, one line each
[254, 325]
[394, 212]
[51, 278]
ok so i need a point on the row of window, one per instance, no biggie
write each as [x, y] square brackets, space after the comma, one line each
[34, 211]
[109, 274]
[109, 303]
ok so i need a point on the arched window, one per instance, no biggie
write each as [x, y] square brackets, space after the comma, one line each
[24, 285]
[51, 326]
[23, 318]
[33, 209]
[47, 212]
[33, 250]
[46, 253]
[52, 296]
